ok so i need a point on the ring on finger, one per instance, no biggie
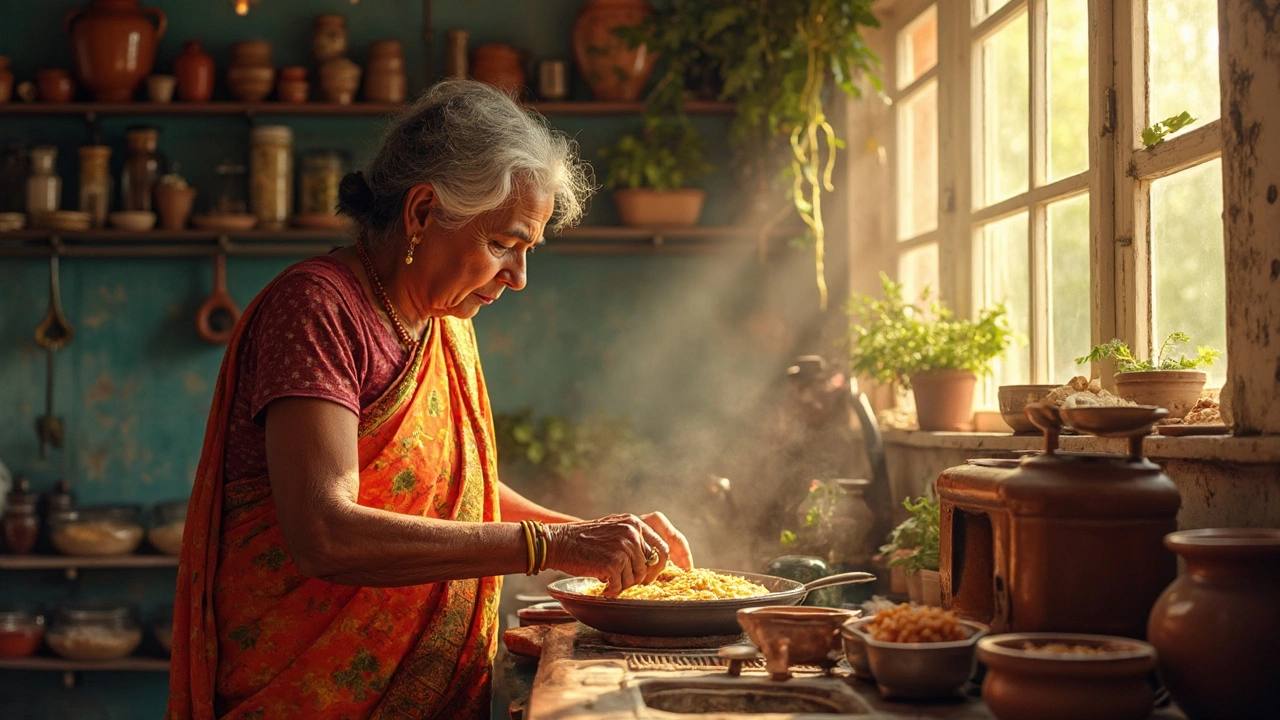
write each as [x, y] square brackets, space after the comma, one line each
[652, 557]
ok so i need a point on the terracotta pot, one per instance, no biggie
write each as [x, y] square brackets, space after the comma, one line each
[6, 80]
[944, 399]
[173, 205]
[293, 86]
[55, 85]
[160, 88]
[1030, 685]
[609, 67]
[500, 66]
[113, 43]
[328, 38]
[1217, 627]
[1177, 390]
[796, 636]
[251, 52]
[251, 76]
[340, 78]
[384, 75]
[195, 70]
[659, 208]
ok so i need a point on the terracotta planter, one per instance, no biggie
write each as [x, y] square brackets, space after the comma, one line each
[340, 78]
[643, 207]
[944, 399]
[501, 66]
[609, 67]
[1177, 390]
[173, 205]
[1217, 627]
[113, 43]
[1027, 685]
[194, 69]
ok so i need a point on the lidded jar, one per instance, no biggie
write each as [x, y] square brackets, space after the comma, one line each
[94, 630]
[143, 166]
[21, 631]
[384, 75]
[101, 530]
[95, 182]
[228, 197]
[44, 187]
[328, 38]
[322, 172]
[21, 518]
[169, 520]
[271, 175]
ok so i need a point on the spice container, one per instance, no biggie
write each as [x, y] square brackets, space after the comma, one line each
[95, 182]
[271, 175]
[229, 191]
[104, 530]
[94, 631]
[455, 54]
[21, 631]
[322, 172]
[21, 521]
[143, 166]
[169, 521]
[44, 187]
[15, 166]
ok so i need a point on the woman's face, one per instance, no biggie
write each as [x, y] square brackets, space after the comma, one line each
[457, 272]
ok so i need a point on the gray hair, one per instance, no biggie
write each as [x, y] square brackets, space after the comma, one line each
[475, 145]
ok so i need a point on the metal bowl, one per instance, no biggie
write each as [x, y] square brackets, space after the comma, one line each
[917, 671]
[855, 651]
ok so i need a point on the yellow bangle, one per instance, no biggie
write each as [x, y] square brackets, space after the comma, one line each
[530, 546]
[541, 531]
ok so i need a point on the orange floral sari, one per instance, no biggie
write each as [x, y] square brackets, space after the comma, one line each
[254, 639]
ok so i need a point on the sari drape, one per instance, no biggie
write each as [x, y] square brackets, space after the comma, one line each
[254, 639]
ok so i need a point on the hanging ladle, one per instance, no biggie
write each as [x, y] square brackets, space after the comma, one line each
[216, 318]
[53, 333]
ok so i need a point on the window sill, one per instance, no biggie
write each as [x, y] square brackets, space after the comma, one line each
[1262, 449]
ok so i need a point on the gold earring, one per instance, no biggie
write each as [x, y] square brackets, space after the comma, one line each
[413, 243]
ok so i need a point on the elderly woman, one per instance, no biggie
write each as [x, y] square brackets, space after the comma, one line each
[348, 530]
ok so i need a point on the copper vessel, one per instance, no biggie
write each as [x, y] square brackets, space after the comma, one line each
[114, 46]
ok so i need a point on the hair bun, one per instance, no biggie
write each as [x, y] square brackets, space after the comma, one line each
[355, 197]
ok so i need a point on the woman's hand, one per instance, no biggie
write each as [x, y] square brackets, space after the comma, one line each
[677, 546]
[615, 549]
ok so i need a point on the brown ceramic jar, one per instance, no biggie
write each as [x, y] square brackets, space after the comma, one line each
[328, 38]
[55, 85]
[498, 65]
[611, 69]
[340, 78]
[251, 75]
[384, 75]
[1217, 627]
[114, 46]
[293, 86]
[194, 69]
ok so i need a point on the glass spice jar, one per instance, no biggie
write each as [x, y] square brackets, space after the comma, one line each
[322, 172]
[44, 187]
[229, 193]
[271, 175]
[94, 631]
[21, 518]
[21, 631]
[103, 530]
[143, 166]
[95, 182]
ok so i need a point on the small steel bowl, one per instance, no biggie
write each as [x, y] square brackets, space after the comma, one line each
[918, 671]
[855, 650]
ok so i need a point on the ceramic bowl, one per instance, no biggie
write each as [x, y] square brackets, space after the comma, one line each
[225, 222]
[12, 221]
[855, 650]
[1044, 685]
[133, 220]
[920, 671]
[795, 635]
[66, 220]
[1013, 405]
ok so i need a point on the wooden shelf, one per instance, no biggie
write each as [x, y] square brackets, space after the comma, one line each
[94, 110]
[126, 664]
[66, 562]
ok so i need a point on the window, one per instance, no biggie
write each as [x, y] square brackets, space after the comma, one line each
[1041, 112]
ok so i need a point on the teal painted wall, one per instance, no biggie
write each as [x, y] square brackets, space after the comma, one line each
[672, 342]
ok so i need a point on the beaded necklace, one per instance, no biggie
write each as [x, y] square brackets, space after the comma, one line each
[405, 338]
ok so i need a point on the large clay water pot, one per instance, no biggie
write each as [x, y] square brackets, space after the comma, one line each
[114, 46]
[1216, 629]
[611, 69]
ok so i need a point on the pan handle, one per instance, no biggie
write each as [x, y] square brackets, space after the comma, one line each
[849, 578]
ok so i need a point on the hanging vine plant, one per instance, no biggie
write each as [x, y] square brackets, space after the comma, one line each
[775, 62]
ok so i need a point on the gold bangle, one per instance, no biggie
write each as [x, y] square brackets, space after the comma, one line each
[530, 546]
[541, 537]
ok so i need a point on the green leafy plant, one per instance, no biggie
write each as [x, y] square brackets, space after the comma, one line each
[891, 339]
[919, 534]
[1155, 134]
[665, 155]
[822, 500]
[1119, 351]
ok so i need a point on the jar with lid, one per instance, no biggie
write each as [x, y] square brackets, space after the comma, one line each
[103, 530]
[95, 182]
[229, 193]
[21, 631]
[322, 172]
[44, 187]
[15, 166]
[21, 518]
[143, 166]
[271, 175]
[94, 630]
[169, 520]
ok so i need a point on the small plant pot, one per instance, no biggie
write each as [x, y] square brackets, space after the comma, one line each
[642, 207]
[930, 588]
[944, 399]
[1175, 390]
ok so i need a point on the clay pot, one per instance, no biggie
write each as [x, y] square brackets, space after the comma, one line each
[328, 38]
[642, 207]
[173, 205]
[609, 67]
[1216, 628]
[384, 79]
[6, 80]
[796, 636]
[1023, 684]
[251, 76]
[160, 88]
[340, 78]
[498, 65]
[1176, 390]
[113, 43]
[55, 85]
[194, 69]
[944, 399]
[293, 86]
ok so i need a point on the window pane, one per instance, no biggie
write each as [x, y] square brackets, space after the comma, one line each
[1182, 61]
[1069, 290]
[917, 270]
[1188, 267]
[1005, 119]
[1068, 91]
[1006, 277]
[918, 163]
[983, 8]
[918, 47]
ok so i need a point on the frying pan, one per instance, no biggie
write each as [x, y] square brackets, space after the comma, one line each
[683, 618]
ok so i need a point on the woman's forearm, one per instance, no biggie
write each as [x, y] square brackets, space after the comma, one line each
[516, 507]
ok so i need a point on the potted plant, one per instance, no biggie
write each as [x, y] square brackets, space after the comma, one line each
[914, 546]
[648, 171]
[934, 354]
[1165, 381]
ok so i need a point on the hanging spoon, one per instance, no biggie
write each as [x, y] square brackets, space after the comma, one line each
[53, 333]
[217, 316]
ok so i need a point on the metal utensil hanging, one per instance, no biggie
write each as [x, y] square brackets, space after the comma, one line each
[53, 334]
